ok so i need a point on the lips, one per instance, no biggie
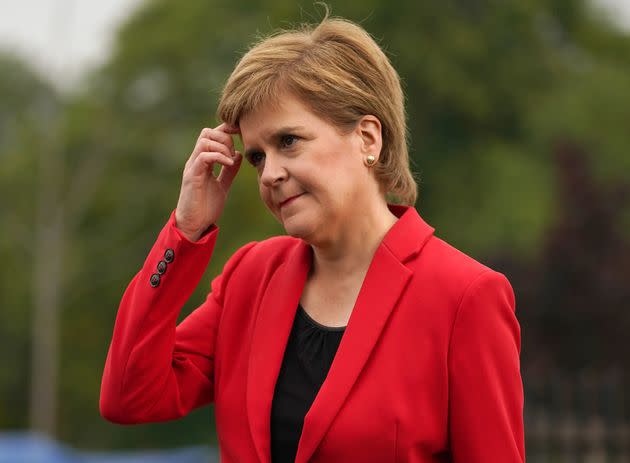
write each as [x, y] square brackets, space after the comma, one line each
[288, 200]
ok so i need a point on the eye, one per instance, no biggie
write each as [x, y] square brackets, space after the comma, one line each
[287, 141]
[256, 158]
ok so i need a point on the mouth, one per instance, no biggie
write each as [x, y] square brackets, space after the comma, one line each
[289, 200]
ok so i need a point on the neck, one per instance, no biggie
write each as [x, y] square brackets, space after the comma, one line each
[351, 250]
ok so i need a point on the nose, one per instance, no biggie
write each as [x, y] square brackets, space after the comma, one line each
[273, 172]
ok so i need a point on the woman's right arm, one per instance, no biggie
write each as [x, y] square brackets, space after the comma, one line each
[156, 370]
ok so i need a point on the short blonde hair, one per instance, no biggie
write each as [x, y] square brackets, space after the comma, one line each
[341, 74]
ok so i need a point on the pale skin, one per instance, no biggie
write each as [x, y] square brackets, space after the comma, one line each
[338, 206]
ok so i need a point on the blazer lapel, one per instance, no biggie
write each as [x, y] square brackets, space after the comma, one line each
[273, 326]
[384, 283]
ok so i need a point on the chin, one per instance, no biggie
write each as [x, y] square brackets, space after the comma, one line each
[304, 222]
[297, 227]
[298, 231]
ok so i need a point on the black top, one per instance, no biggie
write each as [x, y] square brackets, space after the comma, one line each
[310, 350]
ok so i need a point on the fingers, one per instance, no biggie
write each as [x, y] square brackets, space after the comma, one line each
[215, 146]
[214, 135]
[205, 145]
[222, 133]
[227, 174]
[231, 129]
[219, 135]
[206, 160]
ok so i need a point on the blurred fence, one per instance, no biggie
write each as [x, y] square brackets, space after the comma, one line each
[579, 418]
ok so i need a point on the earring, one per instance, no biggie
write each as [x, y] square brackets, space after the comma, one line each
[370, 160]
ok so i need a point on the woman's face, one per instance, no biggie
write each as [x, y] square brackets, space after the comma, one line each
[311, 177]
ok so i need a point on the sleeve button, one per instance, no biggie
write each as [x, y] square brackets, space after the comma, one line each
[169, 255]
[161, 267]
[155, 280]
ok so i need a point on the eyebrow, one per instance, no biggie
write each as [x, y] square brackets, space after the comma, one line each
[275, 135]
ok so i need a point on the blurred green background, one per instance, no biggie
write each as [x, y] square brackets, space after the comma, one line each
[519, 115]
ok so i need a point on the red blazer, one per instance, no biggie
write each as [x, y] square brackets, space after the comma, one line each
[427, 369]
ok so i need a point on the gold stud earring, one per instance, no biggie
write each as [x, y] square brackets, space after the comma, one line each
[370, 160]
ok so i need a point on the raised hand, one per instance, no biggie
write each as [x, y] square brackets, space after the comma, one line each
[202, 195]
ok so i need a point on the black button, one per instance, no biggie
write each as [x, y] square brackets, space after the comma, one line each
[169, 255]
[155, 280]
[161, 267]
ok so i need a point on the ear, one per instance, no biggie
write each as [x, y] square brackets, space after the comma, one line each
[369, 131]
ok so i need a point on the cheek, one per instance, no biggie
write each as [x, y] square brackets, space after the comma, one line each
[265, 195]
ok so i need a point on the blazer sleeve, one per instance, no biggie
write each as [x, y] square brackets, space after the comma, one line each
[485, 386]
[156, 370]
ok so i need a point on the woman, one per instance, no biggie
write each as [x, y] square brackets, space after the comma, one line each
[360, 336]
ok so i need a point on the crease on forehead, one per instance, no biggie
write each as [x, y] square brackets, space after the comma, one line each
[269, 103]
[284, 126]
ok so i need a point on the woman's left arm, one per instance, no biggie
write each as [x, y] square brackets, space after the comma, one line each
[485, 385]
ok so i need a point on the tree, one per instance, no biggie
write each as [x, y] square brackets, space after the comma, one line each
[30, 180]
[490, 86]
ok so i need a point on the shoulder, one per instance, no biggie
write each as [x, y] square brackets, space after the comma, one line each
[452, 272]
[254, 263]
[272, 250]
[434, 263]
[263, 255]
[447, 258]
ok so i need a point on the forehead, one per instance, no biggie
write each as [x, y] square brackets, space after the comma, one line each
[270, 117]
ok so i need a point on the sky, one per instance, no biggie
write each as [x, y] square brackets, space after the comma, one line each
[64, 38]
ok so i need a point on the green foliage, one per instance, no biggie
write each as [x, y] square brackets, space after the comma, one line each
[491, 86]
